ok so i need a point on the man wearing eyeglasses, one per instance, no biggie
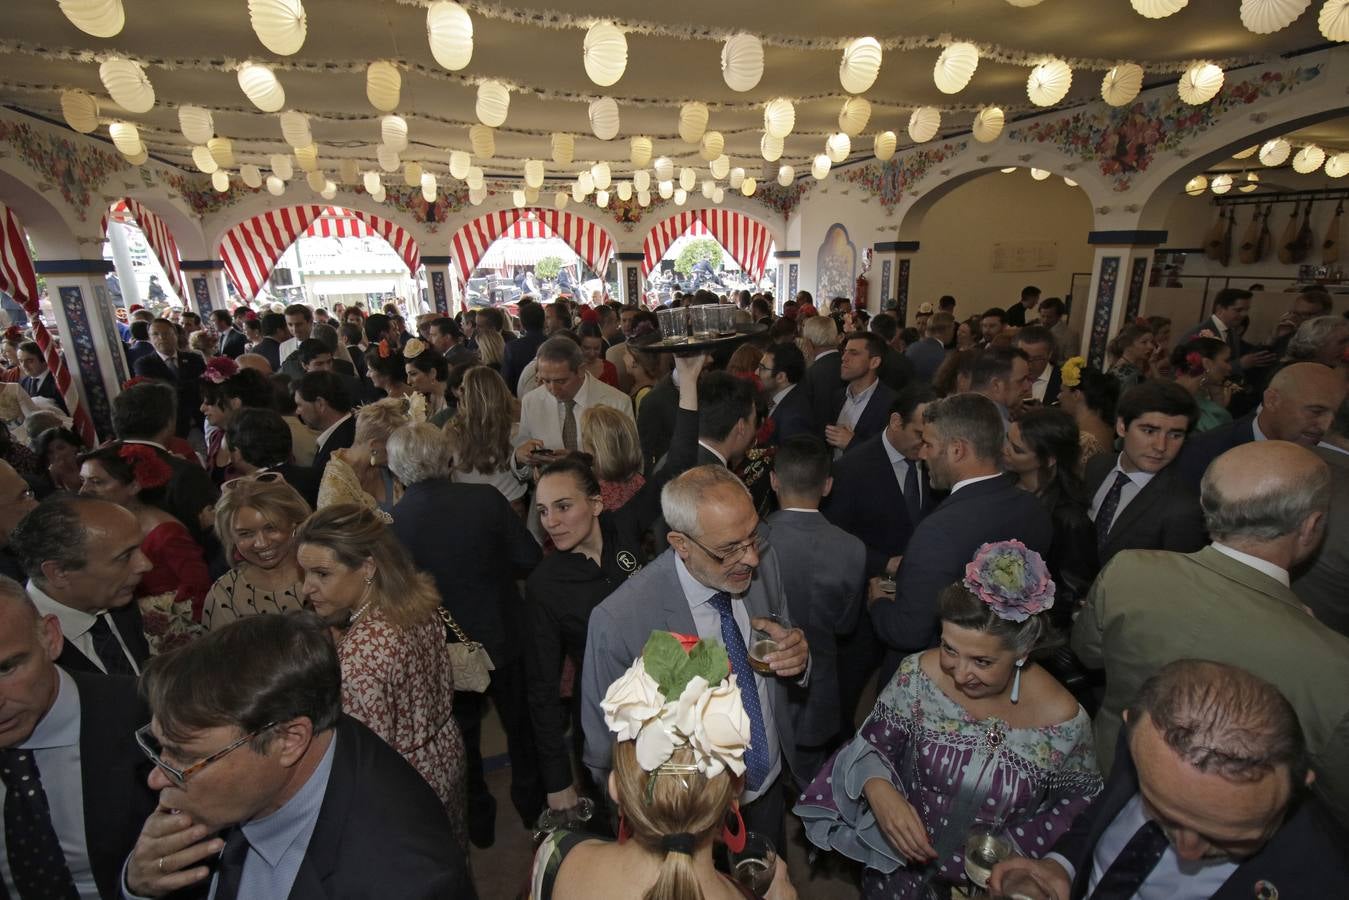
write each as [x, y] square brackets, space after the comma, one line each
[267, 790]
[72, 781]
[16, 501]
[719, 579]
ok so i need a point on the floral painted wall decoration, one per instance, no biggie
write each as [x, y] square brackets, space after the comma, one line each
[783, 200]
[74, 169]
[1125, 141]
[887, 181]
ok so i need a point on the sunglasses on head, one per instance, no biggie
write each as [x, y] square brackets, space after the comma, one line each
[262, 477]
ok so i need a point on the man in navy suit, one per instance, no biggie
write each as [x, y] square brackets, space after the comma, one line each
[1002, 374]
[1037, 343]
[963, 438]
[37, 379]
[928, 354]
[274, 331]
[823, 366]
[781, 370]
[1207, 799]
[323, 402]
[140, 345]
[1230, 306]
[861, 408]
[232, 341]
[180, 369]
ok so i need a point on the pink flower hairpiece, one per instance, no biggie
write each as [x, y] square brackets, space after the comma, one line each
[219, 369]
[1012, 579]
[1208, 333]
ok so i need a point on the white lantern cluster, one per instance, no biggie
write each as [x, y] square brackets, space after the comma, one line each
[1221, 184]
[101, 18]
[1121, 84]
[260, 86]
[1338, 165]
[429, 187]
[692, 122]
[605, 53]
[460, 164]
[279, 24]
[562, 147]
[860, 65]
[202, 159]
[639, 151]
[474, 179]
[820, 167]
[307, 158]
[197, 124]
[720, 167]
[220, 180]
[383, 85]
[1307, 160]
[988, 124]
[1275, 152]
[393, 133]
[737, 178]
[838, 147]
[884, 145]
[412, 174]
[664, 167]
[711, 146]
[955, 67]
[127, 84]
[386, 156]
[251, 175]
[275, 186]
[222, 151]
[604, 118]
[80, 110]
[742, 62]
[600, 176]
[786, 175]
[641, 181]
[1269, 16]
[770, 148]
[281, 167]
[1196, 186]
[126, 138]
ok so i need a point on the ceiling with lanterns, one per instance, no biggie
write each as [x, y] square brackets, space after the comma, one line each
[667, 97]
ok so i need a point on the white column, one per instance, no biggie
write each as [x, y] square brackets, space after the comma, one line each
[90, 342]
[121, 258]
[440, 284]
[1119, 279]
[205, 286]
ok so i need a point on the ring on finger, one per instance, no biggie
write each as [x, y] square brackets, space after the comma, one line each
[160, 865]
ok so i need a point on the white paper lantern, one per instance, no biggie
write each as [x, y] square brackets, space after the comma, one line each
[80, 110]
[664, 169]
[737, 178]
[222, 151]
[639, 151]
[279, 24]
[820, 167]
[601, 199]
[1008, 170]
[1158, 9]
[383, 85]
[534, 173]
[605, 53]
[1338, 165]
[666, 189]
[988, 124]
[1121, 84]
[201, 157]
[295, 129]
[681, 196]
[1275, 152]
[924, 123]
[483, 140]
[1200, 83]
[1247, 153]
[393, 133]
[387, 157]
[1307, 160]
[1269, 16]
[884, 145]
[125, 137]
[251, 175]
[477, 195]
[600, 176]
[449, 30]
[494, 102]
[707, 187]
[307, 158]
[604, 118]
[1334, 20]
[429, 187]
[531, 196]
[587, 183]
[692, 121]
[576, 193]
[127, 84]
[712, 145]
[281, 166]
[329, 190]
[838, 147]
[643, 199]
[748, 186]
[786, 175]
[347, 170]
[460, 162]
[1252, 182]
[560, 200]
[742, 62]
[1048, 83]
[1196, 186]
[1025, 3]
[718, 195]
[1039, 174]
[563, 148]
[770, 147]
[412, 173]
[220, 180]
[474, 178]
[379, 195]
[779, 117]
[370, 181]
[641, 180]
[687, 178]
[101, 18]
[860, 66]
[275, 186]
[955, 67]
[196, 124]
[854, 116]
[624, 190]
[260, 86]
[518, 198]
[1221, 184]
[719, 167]
[139, 157]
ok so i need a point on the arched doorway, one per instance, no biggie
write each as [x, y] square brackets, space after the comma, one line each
[746, 241]
[476, 243]
[142, 248]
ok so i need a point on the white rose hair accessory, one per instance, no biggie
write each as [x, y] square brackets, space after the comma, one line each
[674, 697]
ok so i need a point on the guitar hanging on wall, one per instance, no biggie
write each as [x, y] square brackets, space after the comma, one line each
[1250, 243]
[1288, 243]
[1266, 238]
[1330, 247]
[1213, 247]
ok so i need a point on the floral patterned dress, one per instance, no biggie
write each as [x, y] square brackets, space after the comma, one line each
[954, 771]
[399, 683]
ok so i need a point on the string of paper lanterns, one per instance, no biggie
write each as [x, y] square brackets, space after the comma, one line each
[279, 24]
[101, 18]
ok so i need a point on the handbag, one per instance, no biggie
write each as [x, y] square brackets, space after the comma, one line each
[469, 660]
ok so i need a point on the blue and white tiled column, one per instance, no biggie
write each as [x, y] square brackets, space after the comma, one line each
[1119, 278]
[90, 343]
[206, 285]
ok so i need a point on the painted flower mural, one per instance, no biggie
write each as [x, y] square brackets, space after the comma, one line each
[74, 169]
[887, 181]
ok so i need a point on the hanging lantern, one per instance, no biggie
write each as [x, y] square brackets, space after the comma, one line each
[747, 187]
[587, 183]
[563, 147]
[1247, 153]
[101, 18]
[604, 118]
[1252, 182]
[955, 67]
[295, 129]
[988, 124]
[196, 124]
[260, 86]
[560, 200]
[641, 180]
[449, 30]
[477, 195]
[643, 199]
[307, 158]
[737, 178]
[128, 84]
[460, 162]
[1039, 174]
[837, 148]
[1121, 84]
[742, 62]
[1269, 16]
[692, 122]
[786, 175]
[139, 157]
[1334, 20]
[860, 66]
[708, 186]
[429, 187]
[483, 140]
[370, 181]
[1048, 83]
[884, 145]
[924, 123]
[251, 176]
[81, 112]
[1068, 181]
[379, 195]
[718, 195]
[604, 53]
[666, 189]
[279, 24]
[494, 102]
[1338, 165]
[1196, 186]
[220, 180]
[1221, 184]
[518, 198]
[383, 84]
[624, 191]
[125, 137]
[1308, 159]
[281, 166]
[387, 157]
[639, 151]
[1275, 152]
[393, 133]
[329, 190]
[600, 176]
[347, 170]
[770, 147]
[1158, 9]
[201, 157]
[687, 178]
[222, 151]
[412, 174]
[854, 115]
[534, 173]
[820, 167]
[779, 117]
[1200, 83]
[664, 169]
[681, 196]
[275, 186]
[712, 145]
[475, 178]
[601, 199]
[720, 166]
[577, 193]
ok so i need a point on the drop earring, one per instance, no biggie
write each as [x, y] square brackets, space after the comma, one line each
[1016, 681]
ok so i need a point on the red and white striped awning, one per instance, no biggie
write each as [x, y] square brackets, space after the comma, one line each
[252, 248]
[157, 235]
[745, 239]
[590, 241]
[339, 226]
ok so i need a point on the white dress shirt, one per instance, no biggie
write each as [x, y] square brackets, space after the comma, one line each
[901, 463]
[975, 480]
[75, 626]
[1263, 566]
[541, 413]
[855, 404]
[1041, 384]
[1137, 481]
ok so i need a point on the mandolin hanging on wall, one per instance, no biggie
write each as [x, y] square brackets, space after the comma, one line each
[1288, 243]
[1247, 253]
[1330, 247]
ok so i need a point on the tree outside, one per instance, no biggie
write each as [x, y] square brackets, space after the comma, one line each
[548, 267]
[695, 251]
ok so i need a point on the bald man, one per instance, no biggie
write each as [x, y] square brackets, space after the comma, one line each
[16, 501]
[1264, 507]
[1298, 406]
[255, 361]
[68, 739]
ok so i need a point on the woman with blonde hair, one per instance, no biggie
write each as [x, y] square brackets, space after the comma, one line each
[360, 473]
[645, 369]
[384, 614]
[610, 437]
[482, 434]
[491, 348]
[255, 519]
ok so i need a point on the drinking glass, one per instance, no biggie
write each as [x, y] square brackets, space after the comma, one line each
[985, 846]
[702, 323]
[1021, 886]
[761, 643]
[674, 326]
[755, 866]
[725, 318]
[551, 820]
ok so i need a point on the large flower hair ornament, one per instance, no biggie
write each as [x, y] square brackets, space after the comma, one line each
[219, 369]
[1012, 579]
[14, 334]
[1071, 371]
[149, 470]
[384, 349]
[414, 348]
[135, 380]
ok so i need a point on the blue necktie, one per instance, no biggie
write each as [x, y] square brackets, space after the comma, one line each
[912, 499]
[1105, 516]
[37, 864]
[756, 757]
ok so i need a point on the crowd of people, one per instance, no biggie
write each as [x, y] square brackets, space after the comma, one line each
[894, 594]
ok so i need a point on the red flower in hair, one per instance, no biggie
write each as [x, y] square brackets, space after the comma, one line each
[1194, 362]
[132, 382]
[14, 334]
[588, 314]
[219, 369]
[250, 316]
[150, 471]
[384, 349]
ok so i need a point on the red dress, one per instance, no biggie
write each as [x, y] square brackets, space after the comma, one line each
[179, 567]
[610, 374]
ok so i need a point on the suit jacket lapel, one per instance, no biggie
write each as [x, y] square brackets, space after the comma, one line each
[1248, 577]
[678, 616]
[106, 792]
[1147, 498]
[1118, 790]
[324, 844]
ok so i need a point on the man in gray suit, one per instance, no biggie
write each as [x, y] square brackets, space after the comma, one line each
[1320, 581]
[718, 578]
[826, 567]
